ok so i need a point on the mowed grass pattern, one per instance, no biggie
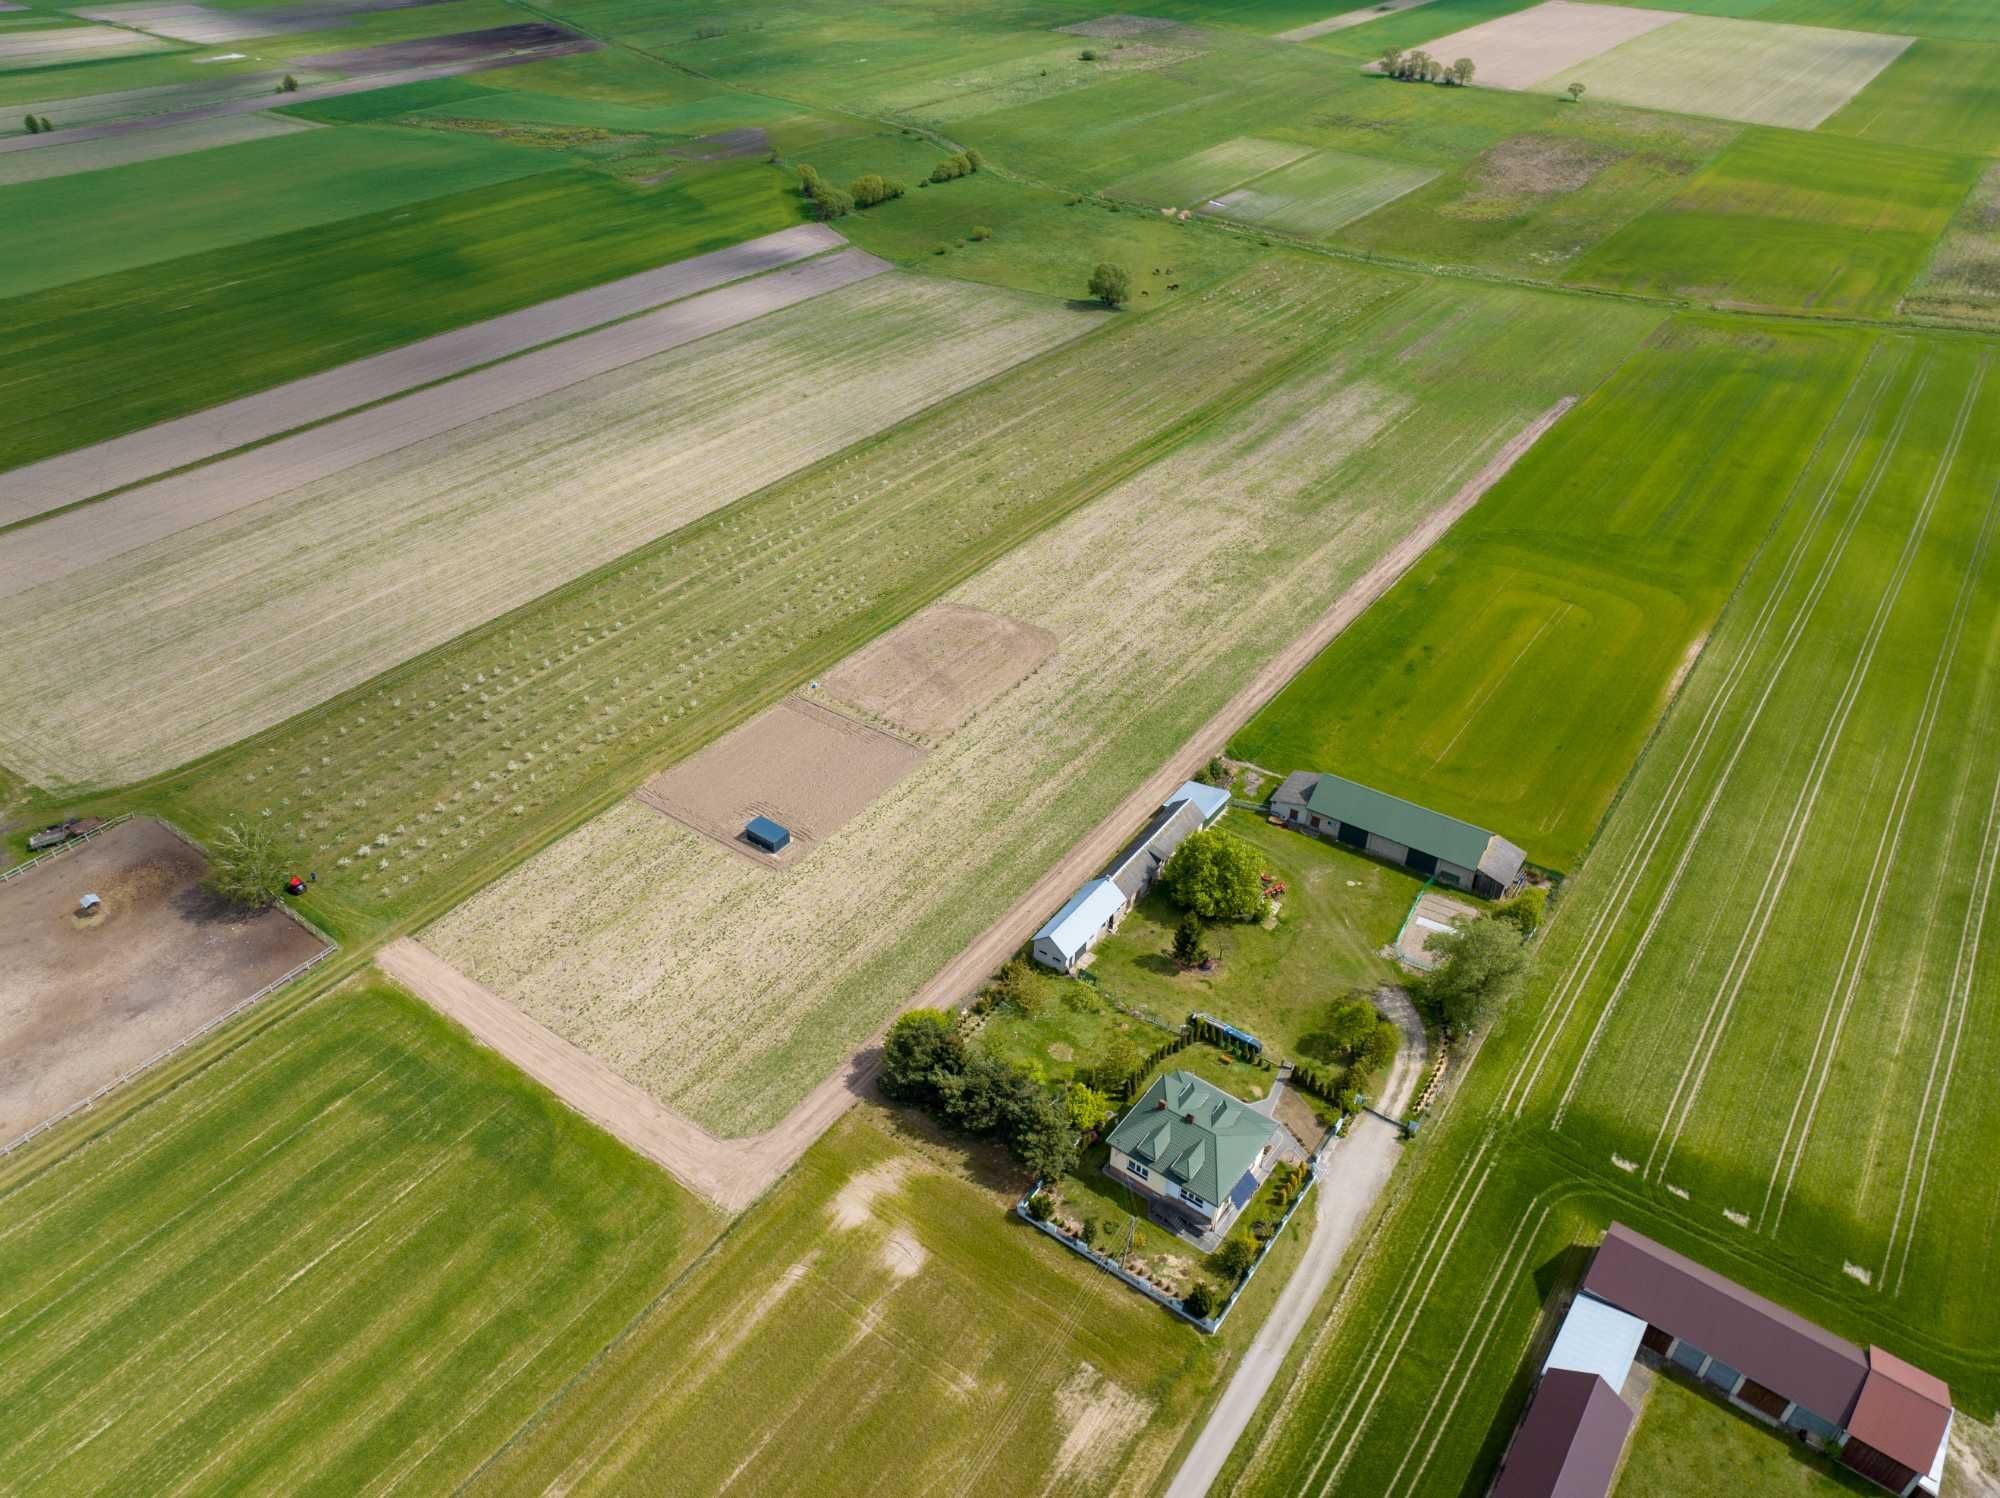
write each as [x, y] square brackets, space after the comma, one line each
[1785, 220]
[350, 1255]
[1321, 193]
[1764, 1026]
[1514, 674]
[1207, 174]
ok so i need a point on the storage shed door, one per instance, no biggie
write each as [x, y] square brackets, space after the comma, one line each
[1422, 863]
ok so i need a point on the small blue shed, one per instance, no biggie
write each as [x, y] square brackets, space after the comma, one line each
[767, 834]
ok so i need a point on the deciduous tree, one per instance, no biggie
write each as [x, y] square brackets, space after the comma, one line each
[246, 866]
[1214, 874]
[1484, 962]
[1110, 284]
[1189, 949]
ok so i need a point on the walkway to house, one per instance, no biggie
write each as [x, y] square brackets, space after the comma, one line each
[1351, 1177]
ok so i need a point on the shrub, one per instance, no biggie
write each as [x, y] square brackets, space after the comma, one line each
[1110, 284]
[1235, 1255]
[1198, 1303]
[1214, 874]
[246, 866]
[960, 165]
[1189, 949]
[1040, 1207]
[1088, 1108]
[873, 188]
[1484, 963]
[290, 85]
[1525, 911]
[1088, 54]
[941, 249]
[980, 231]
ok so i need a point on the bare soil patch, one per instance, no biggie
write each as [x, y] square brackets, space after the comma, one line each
[933, 673]
[1122, 27]
[727, 145]
[1530, 46]
[804, 766]
[1541, 165]
[33, 49]
[431, 51]
[1430, 918]
[84, 1002]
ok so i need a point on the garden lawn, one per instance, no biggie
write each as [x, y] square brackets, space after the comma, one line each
[1763, 1024]
[1688, 1442]
[1786, 220]
[1339, 911]
[1944, 95]
[356, 1250]
[210, 202]
[1512, 676]
[1070, 1029]
[107, 355]
[887, 1275]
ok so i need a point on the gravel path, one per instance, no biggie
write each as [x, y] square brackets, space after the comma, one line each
[169, 445]
[80, 538]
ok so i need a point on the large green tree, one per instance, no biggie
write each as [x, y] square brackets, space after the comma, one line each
[245, 865]
[1214, 874]
[1484, 963]
[1111, 284]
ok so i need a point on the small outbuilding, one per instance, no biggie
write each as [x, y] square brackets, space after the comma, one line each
[1072, 931]
[767, 835]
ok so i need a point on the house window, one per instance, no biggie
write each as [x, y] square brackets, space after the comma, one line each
[1136, 1168]
[1315, 822]
[1189, 1196]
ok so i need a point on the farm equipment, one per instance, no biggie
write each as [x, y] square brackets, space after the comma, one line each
[61, 832]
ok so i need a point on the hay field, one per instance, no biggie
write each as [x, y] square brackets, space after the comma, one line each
[1207, 174]
[1320, 193]
[1791, 221]
[392, 557]
[61, 160]
[600, 684]
[881, 1284]
[49, 45]
[728, 994]
[1764, 1025]
[352, 1254]
[1740, 70]
[932, 673]
[1533, 46]
[1514, 674]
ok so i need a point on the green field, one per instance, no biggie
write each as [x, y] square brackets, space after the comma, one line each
[1339, 911]
[1319, 194]
[356, 1250]
[132, 216]
[1962, 281]
[1514, 674]
[880, 1323]
[1207, 174]
[1687, 1440]
[1783, 220]
[1763, 1028]
[1937, 94]
[99, 357]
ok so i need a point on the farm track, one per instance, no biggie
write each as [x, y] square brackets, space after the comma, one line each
[121, 462]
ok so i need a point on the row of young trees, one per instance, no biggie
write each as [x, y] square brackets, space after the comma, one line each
[962, 164]
[926, 1063]
[830, 201]
[38, 124]
[1420, 67]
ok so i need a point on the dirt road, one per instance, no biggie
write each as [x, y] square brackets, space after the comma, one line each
[735, 1172]
[1351, 1178]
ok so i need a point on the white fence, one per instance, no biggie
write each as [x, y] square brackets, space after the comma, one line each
[64, 847]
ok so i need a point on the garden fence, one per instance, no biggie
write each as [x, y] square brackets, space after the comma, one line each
[64, 847]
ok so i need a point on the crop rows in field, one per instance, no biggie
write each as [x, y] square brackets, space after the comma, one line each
[355, 1252]
[430, 767]
[399, 554]
[1161, 595]
[61, 160]
[1764, 1023]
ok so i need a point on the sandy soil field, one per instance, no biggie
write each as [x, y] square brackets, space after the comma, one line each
[1754, 71]
[809, 769]
[35, 49]
[91, 155]
[1348, 19]
[227, 629]
[64, 480]
[1532, 46]
[83, 1003]
[727, 994]
[928, 676]
[98, 533]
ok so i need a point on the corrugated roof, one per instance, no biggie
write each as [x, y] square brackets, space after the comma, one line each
[1569, 1445]
[1597, 1338]
[1083, 915]
[1400, 821]
[1297, 786]
[1139, 862]
[1783, 1352]
[1210, 800]
[1194, 1134]
[1903, 1411]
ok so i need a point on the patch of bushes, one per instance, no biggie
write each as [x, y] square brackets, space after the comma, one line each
[1198, 1302]
[927, 1064]
[963, 164]
[980, 232]
[873, 188]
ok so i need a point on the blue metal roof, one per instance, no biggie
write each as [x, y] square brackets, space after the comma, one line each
[1211, 800]
[1082, 916]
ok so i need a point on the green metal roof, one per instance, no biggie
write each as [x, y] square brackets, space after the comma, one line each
[1400, 821]
[1194, 1134]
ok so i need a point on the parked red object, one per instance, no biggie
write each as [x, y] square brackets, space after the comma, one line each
[295, 885]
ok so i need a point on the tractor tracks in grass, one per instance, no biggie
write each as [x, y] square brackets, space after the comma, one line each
[1709, 1040]
[1568, 993]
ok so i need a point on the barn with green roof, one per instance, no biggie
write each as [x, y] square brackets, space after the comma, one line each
[1449, 850]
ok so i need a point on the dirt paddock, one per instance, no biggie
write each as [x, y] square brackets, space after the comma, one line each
[932, 673]
[804, 766]
[83, 1002]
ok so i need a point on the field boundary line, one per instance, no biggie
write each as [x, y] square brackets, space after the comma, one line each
[1596, 940]
[1848, 980]
[1807, 802]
